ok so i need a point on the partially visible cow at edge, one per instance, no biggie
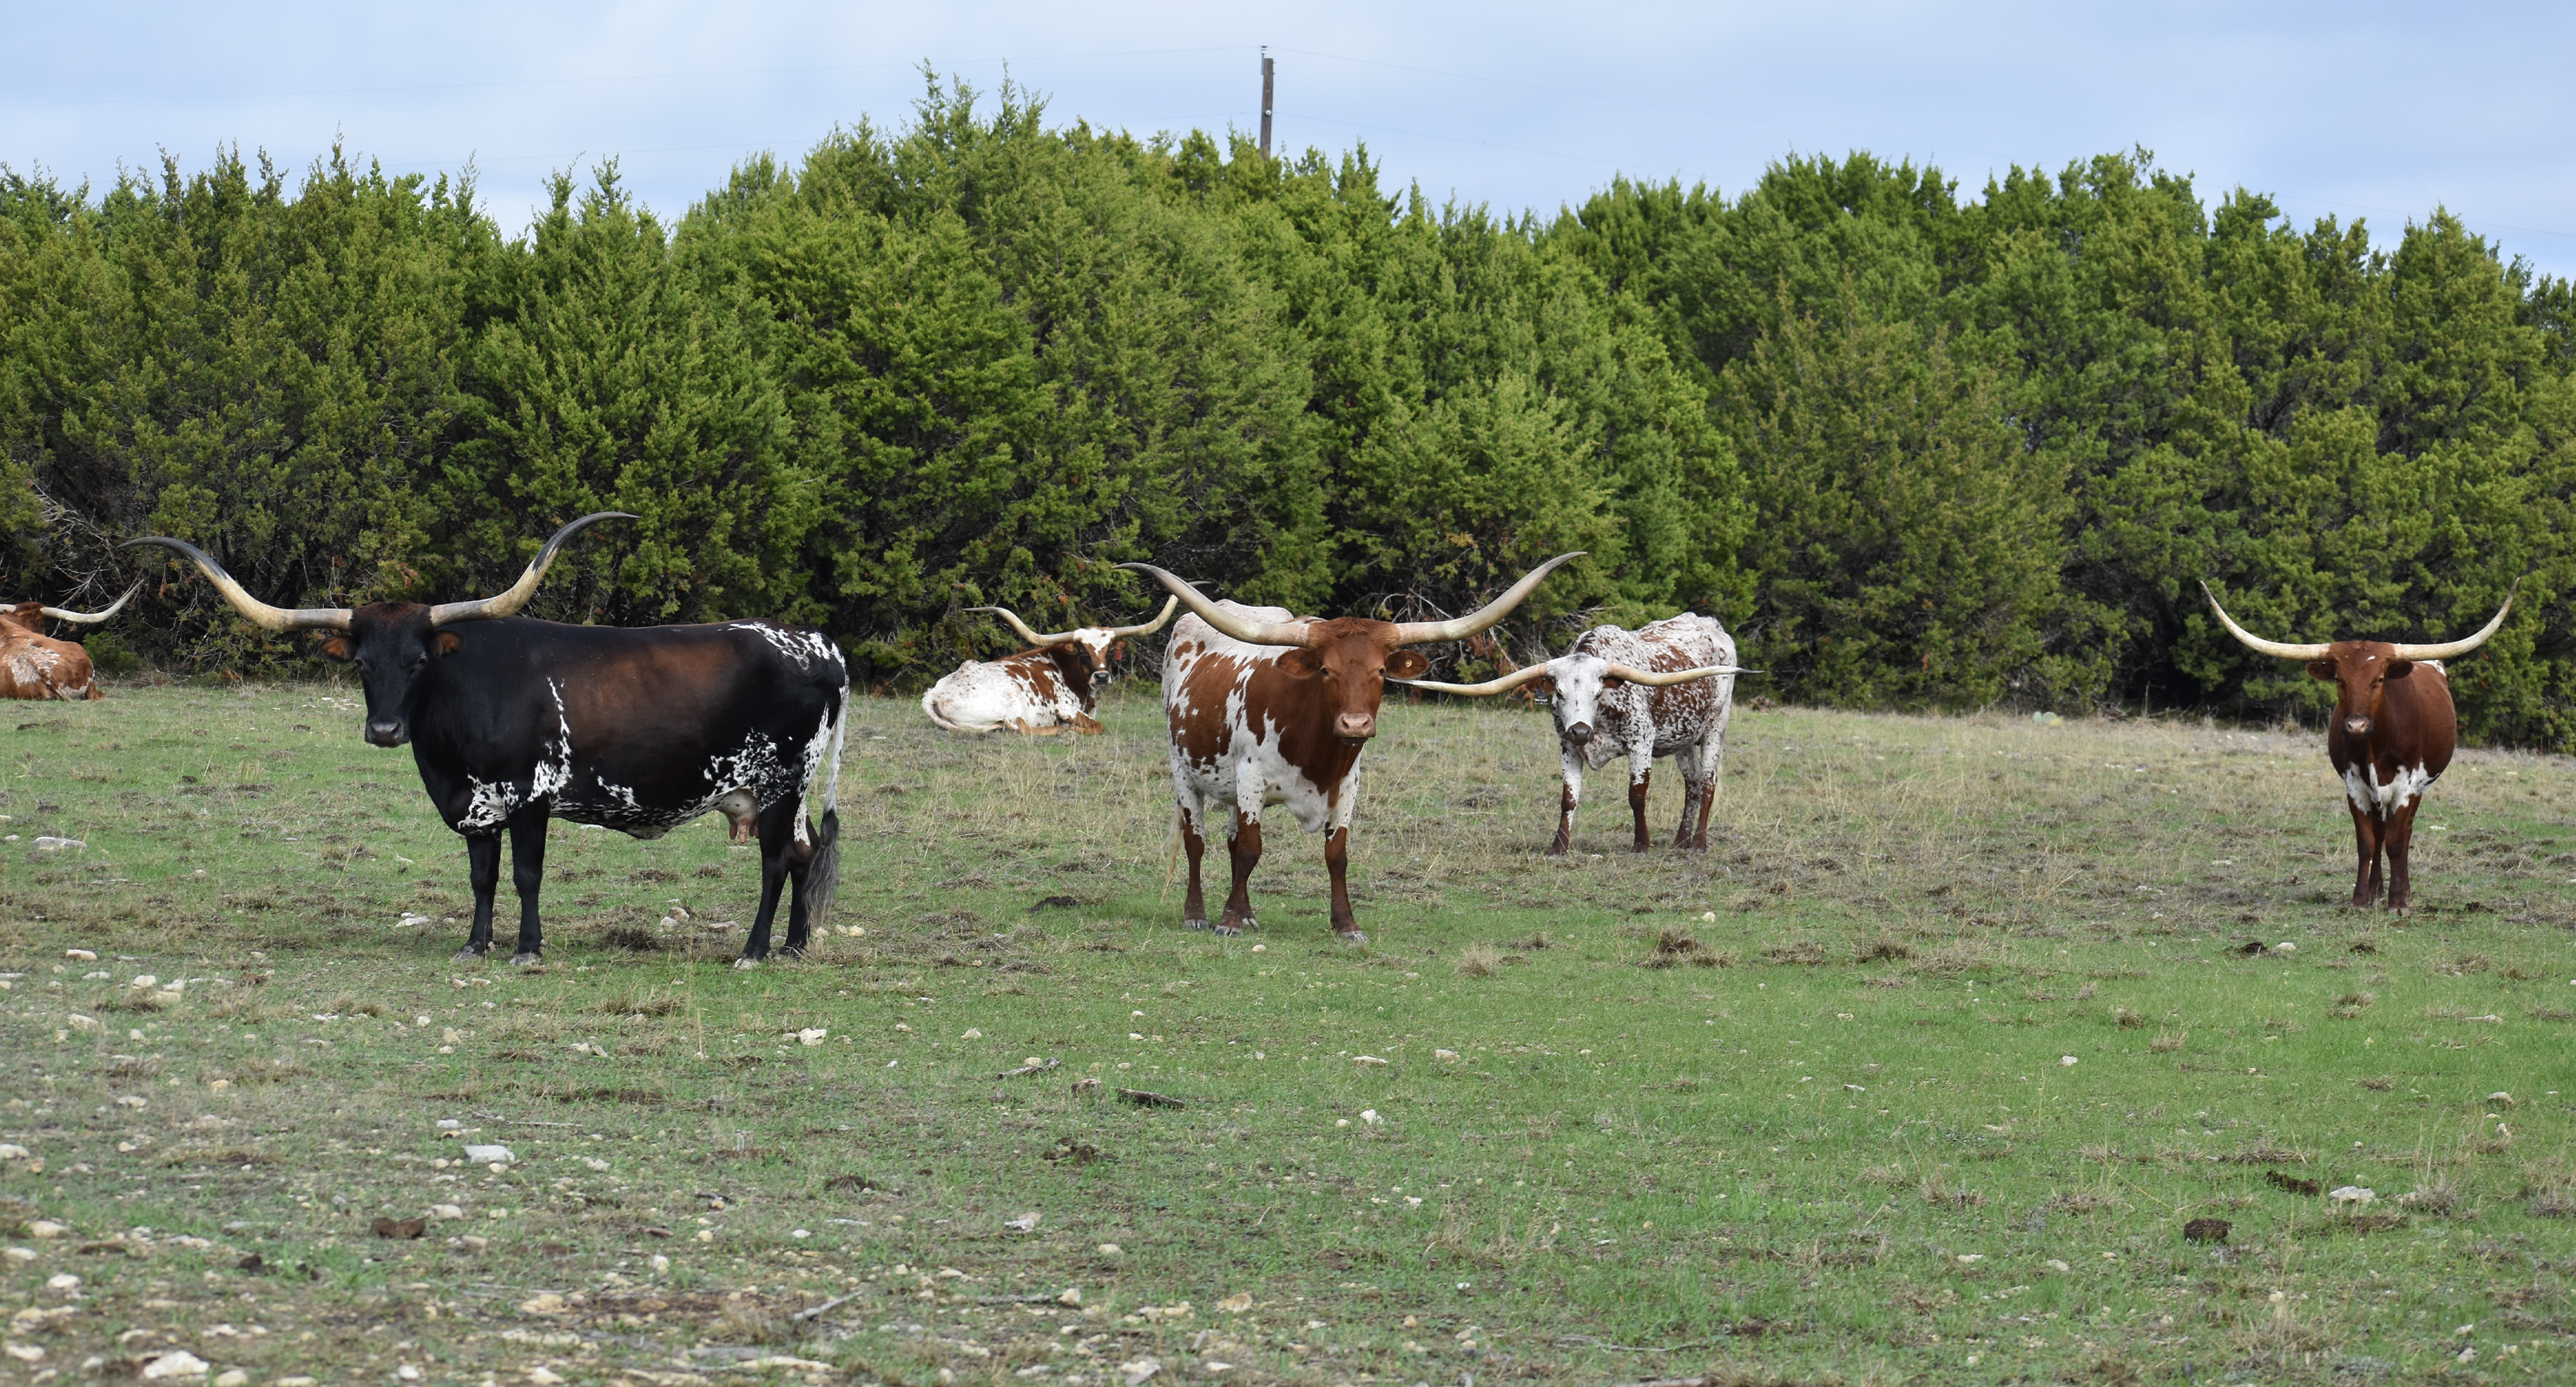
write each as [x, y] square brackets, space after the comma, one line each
[514, 721]
[1665, 689]
[34, 665]
[1268, 708]
[2391, 737]
[1043, 690]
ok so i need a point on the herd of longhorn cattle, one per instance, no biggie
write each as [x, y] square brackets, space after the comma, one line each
[513, 722]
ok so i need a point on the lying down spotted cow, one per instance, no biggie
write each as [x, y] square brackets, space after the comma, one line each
[513, 722]
[1053, 685]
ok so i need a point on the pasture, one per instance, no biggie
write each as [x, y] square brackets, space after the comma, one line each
[1918, 1075]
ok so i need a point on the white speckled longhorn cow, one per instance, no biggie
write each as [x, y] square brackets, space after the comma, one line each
[2392, 735]
[35, 665]
[1665, 689]
[1043, 690]
[513, 722]
[1268, 708]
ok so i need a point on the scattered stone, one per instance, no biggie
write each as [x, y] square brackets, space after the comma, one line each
[83, 955]
[176, 1363]
[543, 1303]
[46, 842]
[1139, 1369]
[1237, 1303]
[2066, 1059]
[20, 1254]
[1444, 1056]
[446, 1211]
[489, 1155]
[46, 1228]
[24, 1353]
[11, 1151]
[972, 1034]
[544, 1376]
[1369, 1116]
[2352, 1196]
[2501, 1099]
[1035, 1065]
[1365, 1060]
[1025, 1223]
[232, 1377]
[62, 1281]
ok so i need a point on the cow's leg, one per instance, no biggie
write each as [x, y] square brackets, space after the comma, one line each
[1337, 864]
[1565, 805]
[1194, 843]
[777, 846]
[527, 876]
[1693, 762]
[2395, 839]
[2365, 846]
[1712, 773]
[483, 868]
[1641, 770]
[1244, 850]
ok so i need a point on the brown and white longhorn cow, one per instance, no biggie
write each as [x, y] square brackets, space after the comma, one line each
[1043, 690]
[1268, 708]
[1665, 689]
[34, 665]
[2392, 736]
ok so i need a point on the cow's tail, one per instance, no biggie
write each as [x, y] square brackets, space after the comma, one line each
[822, 875]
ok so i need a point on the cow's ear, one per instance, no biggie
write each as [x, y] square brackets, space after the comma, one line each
[1407, 664]
[334, 647]
[2322, 669]
[446, 642]
[1300, 663]
[2399, 669]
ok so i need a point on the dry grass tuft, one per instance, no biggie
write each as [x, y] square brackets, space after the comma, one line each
[2127, 1019]
[1884, 946]
[2168, 1041]
[1803, 953]
[1479, 960]
[1935, 1189]
[639, 1003]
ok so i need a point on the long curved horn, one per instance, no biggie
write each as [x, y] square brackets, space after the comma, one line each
[2261, 646]
[446, 613]
[1170, 605]
[1655, 679]
[1505, 684]
[93, 618]
[2461, 647]
[1418, 632]
[1249, 632]
[254, 611]
[1032, 637]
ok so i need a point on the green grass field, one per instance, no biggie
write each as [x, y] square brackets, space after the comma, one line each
[1916, 1077]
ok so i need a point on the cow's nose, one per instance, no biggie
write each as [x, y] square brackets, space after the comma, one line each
[387, 732]
[1355, 727]
[2359, 727]
[1579, 733]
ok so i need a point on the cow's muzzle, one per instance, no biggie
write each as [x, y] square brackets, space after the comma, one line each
[1579, 733]
[2356, 727]
[387, 732]
[1355, 727]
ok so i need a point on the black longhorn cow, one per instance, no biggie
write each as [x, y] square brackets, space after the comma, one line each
[515, 721]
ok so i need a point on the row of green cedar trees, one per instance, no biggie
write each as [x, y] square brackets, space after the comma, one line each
[1916, 451]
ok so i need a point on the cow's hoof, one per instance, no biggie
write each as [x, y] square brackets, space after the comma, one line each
[528, 960]
[468, 954]
[1351, 936]
[1194, 924]
[747, 962]
[1229, 929]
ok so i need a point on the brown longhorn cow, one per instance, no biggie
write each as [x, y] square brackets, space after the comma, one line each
[33, 665]
[1267, 708]
[2391, 737]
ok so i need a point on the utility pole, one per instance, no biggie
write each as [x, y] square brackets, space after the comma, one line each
[1265, 100]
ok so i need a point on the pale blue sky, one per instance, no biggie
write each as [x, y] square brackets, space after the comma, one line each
[2362, 110]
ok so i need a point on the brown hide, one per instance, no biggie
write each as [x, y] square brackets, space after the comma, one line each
[33, 665]
[2393, 729]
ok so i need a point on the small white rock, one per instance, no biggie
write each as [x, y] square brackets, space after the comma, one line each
[1370, 1117]
[177, 1363]
[2285, 947]
[446, 1211]
[11, 1151]
[62, 1281]
[2351, 1194]
[489, 1155]
[83, 955]
[812, 1035]
[232, 1377]
[2066, 1059]
[1025, 1223]
[1444, 1054]
[972, 1034]
[1110, 1249]
[1367, 1060]
[2501, 1099]
[46, 1228]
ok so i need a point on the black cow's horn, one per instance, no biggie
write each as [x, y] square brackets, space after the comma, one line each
[1291, 632]
[508, 603]
[93, 618]
[2461, 647]
[1417, 632]
[256, 612]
